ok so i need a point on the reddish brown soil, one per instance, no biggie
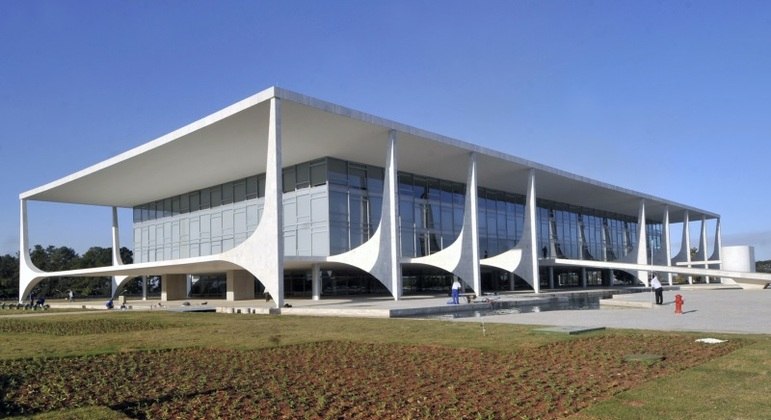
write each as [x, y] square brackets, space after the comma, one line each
[350, 380]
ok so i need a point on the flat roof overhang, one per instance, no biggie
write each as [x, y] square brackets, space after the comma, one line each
[232, 144]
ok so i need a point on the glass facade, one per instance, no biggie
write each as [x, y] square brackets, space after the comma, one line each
[332, 206]
[430, 214]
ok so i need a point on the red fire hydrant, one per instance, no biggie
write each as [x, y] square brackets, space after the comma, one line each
[679, 304]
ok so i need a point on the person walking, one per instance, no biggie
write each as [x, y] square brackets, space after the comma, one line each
[657, 289]
[455, 291]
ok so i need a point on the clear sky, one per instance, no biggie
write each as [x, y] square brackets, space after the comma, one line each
[668, 98]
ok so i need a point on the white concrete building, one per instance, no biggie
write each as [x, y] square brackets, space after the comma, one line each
[296, 196]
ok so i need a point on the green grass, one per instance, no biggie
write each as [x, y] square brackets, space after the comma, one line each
[733, 386]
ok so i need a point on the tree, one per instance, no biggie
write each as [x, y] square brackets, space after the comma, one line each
[53, 259]
[9, 277]
[63, 258]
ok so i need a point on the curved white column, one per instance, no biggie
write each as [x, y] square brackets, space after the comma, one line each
[701, 253]
[117, 281]
[667, 254]
[716, 253]
[522, 260]
[684, 255]
[461, 258]
[639, 254]
[262, 253]
[29, 275]
[379, 255]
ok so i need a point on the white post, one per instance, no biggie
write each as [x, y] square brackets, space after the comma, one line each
[316, 281]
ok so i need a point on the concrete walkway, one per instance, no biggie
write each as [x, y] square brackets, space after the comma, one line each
[719, 310]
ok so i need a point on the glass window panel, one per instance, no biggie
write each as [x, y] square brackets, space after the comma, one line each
[406, 211]
[459, 194]
[446, 192]
[184, 203]
[408, 242]
[290, 179]
[319, 173]
[251, 187]
[137, 214]
[149, 211]
[227, 193]
[457, 219]
[420, 215]
[434, 192]
[303, 175]
[357, 236]
[375, 177]
[419, 188]
[338, 238]
[337, 171]
[261, 185]
[195, 200]
[435, 216]
[492, 225]
[405, 185]
[357, 206]
[216, 195]
[338, 206]
[205, 199]
[501, 225]
[447, 223]
[239, 191]
[357, 176]
[375, 208]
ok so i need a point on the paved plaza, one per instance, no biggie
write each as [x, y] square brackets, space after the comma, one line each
[706, 308]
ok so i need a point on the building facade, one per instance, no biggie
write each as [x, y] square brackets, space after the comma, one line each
[289, 195]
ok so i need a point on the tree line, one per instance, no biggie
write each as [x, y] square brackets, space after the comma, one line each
[63, 258]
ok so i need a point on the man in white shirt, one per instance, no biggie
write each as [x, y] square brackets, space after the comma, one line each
[455, 291]
[656, 285]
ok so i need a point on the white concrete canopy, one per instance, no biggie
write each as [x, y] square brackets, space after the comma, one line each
[181, 160]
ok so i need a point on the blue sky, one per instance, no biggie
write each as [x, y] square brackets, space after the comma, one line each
[666, 98]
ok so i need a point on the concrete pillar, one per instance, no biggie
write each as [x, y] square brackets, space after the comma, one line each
[144, 287]
[240, 285]
[173, 287]
[551, 278]
[316, 281]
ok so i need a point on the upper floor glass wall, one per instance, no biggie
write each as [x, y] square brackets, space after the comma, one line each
[347, 212]
[355, 203]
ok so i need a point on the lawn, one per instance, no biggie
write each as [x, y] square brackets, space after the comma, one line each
[175, 365]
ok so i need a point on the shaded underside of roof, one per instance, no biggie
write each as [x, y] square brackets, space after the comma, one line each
[232, 144]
